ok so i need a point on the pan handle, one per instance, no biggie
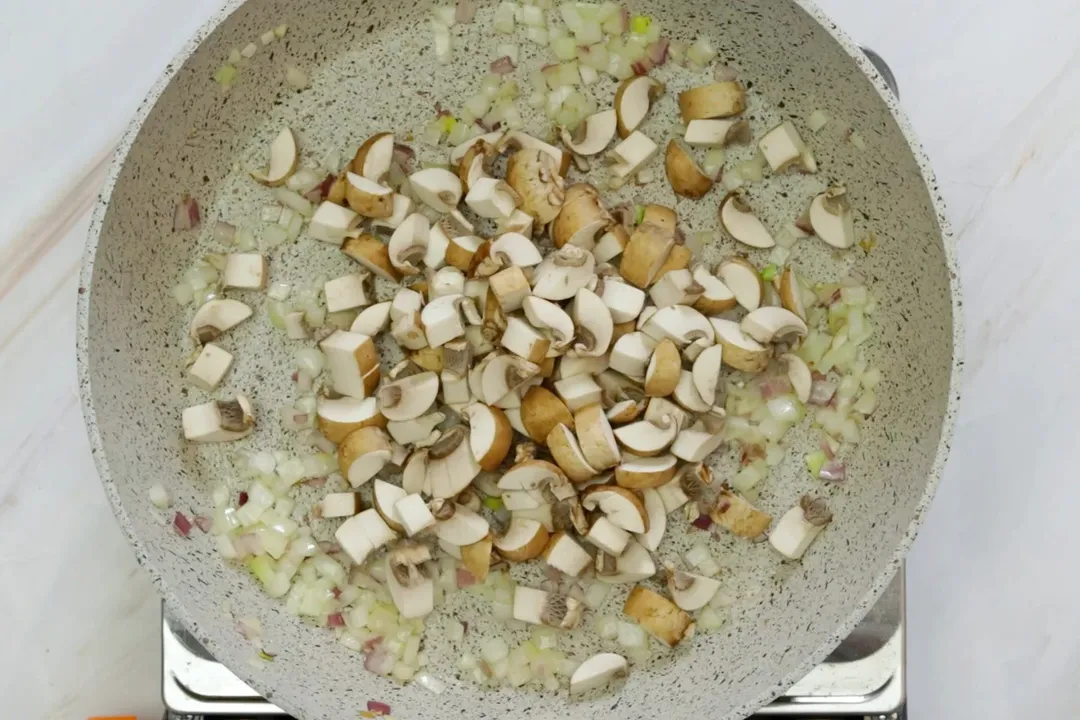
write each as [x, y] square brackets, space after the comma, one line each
[883, 68]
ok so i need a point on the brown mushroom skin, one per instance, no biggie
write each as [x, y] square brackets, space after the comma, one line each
[683, 173]
[717, 100]
[534, 176]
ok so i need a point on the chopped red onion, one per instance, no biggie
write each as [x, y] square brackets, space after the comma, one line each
[380, 660]
[203, 523]
[624, 17]
[773, 386]
[827, 449]
[821, 393]
[378, 707]
[703, 522]
[182, 524]
[724, 73]
[403, 158]
[316, 482]
[336, 592]
[464, 11]
[371, 644]
[314, 196]
[642, 66]
[658, 51]
[325, 185]
[465, 578]
[241, 501]
[304, 381]
[247, 544]
[329, 547]
[186, 215]
[335, 620]
[502, 66]
[224, 232]
[833, 471]
[440, 111]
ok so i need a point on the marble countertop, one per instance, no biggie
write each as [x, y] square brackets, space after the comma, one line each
[992, 596]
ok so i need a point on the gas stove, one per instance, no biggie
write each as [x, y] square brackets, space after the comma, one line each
[862, 678]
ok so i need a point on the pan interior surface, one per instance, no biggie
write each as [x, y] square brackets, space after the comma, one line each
[372, 69]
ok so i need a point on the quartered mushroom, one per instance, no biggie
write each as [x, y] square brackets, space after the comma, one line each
[799, 526]
[593, 323]
[514, 249]
[517, 140]
[446, 281]
[608, 536]
[639, 473]
[633, 565]
[244, 271]
[632, 154]
[490, 435]
[784, 149]
[799, 375]
[504, 374]
[219, 420]
[491, 198]
[535, 177]
[565, 555]
[611, 244]
[510, 288]
[477, 557]
[646, 439]
[664, 369]
[717, 133]
[633, 99]
[362, 454]
[739, 221]
[408, 398]
[744, 280]
[566, 451]
[284, 157]
[654, 507]
[332, 223]
[411, 589]
[736, 514]
[539, 607]
[353, 363]
[769, 323]
[631, 355]
[362, 534]
[529, 475]
[563, 273]
[683, 172]
[464, 251]
[209, 367]
[384, 497]
[660, 617]
[582, 218]
[597, 672]
[832, 218]
[596, 438]
[623, 300]
[689, 591]
[706, 372]
[791, 293]
[337, 417]
[718, 100]
[695, 445]
[542, 411]
[523, 540]
[645, 253]
[491, 138]
[373, 320]
[367, 197]
[679, 323]
[677, 287]
[687, 396]
[551, 320]
[437, 188]
[348, 292]
[409, 244]
[409, 432]
[593, 135]
[403, 207]
[338, 505]
[442, 320]
[215, 317]
[373, 159]
[457, 524]
[451, 466]
[524, 340]
[414, 513]
[660, 410]
[373, 254]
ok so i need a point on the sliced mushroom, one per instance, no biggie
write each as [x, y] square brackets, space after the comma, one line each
[683, 173]
[664, 369]
[477, 557]
[362, 534]
[551, 320]
[689, 591]
[465, 251]
[450, 464]
[744, 280]
[633, 565]
[367, 197]
[534, 176]
[594, 324]
[632, 154]
[412, 591]
[662, 411]
[739, 221]
[563, 273]
[458, 525]
[338, 417]
[607, 536]
[596, 438]
[284, 157]
[791, 293]
[531, 474]
[631, 355]
[409, 244]
[566, 555]
[625, 411]
[677, 287]
[621, 506]
[215, 317]
[567, 453]
[718, 100]
[539, 607]
[353, 363]
[384, 496]
[408, 398]
[514, 249]
[582, 218]
[706, 372]
[695, 445]
[654, 507]
[799, 374]
[716, 296]
[687, 396]
[767, 324]
[611, 244]
[437, 188]
[717, 133]
[373, 254]
[633, 99]
[832, 218]
[646, 439]
[510, 288]
[524, 539]
[504, 374]
[735, 514]
[645, 254]
[784, 149]
[679, 323]
[638, 473]
[333, 223]
[799, 526]
[491, 198]
[593, 135]
[490, 435]
[362, 454]
[219, 421]
[597, 672]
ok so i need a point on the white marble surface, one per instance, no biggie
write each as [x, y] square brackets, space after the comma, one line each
[992, 90]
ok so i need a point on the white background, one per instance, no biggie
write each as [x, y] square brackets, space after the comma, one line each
[992, 89]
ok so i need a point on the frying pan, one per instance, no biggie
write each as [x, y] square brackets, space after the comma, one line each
[372, 69]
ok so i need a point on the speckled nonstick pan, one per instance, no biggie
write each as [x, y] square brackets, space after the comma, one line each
[372, 70]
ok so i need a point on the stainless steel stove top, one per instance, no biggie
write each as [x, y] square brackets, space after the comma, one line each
[863, 678]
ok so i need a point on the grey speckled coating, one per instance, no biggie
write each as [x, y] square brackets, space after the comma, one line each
[369, 65]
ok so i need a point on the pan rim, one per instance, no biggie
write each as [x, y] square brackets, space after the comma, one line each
[880, 582]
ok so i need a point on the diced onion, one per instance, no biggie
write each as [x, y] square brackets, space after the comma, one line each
[607, 627]
[296, 78]
[817, 120]
[159, 496]
[701, 52]
[596, 594]
[293, 200]
[494, 650]
[273, 236]
[714, 162]
[632, 635]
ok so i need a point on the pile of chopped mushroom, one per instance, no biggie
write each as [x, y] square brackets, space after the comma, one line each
[564, 381]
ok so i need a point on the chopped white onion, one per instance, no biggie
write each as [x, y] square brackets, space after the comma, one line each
[159, 496]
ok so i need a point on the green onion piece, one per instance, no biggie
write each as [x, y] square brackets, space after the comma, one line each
[225, 75]
[493, 503]
[640, 24]
[769, 272]
[639, 214]
[447, 123]
[814, 462]
[266, 656]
